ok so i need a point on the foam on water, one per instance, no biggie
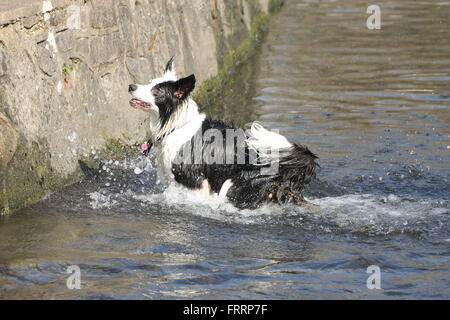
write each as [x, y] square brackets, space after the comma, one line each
[366, 213]
[381, 214]
[101, 201]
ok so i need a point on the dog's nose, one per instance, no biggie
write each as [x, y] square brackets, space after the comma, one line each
[132, 87]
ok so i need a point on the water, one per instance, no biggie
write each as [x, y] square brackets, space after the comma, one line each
[373, 104]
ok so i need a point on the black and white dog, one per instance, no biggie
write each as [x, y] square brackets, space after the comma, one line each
[248, 168]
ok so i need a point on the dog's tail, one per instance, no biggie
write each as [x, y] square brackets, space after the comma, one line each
[261, 138]
[295, 165]
[299, 167]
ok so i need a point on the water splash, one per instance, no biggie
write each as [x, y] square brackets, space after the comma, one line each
[356, 213]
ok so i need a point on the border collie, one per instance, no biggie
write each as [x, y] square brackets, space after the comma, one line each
[247, 168]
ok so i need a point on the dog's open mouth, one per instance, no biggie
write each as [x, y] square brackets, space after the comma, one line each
[139, 104]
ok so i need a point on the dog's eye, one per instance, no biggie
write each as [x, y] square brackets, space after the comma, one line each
[156, 91]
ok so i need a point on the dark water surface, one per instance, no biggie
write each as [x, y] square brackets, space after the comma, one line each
[373, 104]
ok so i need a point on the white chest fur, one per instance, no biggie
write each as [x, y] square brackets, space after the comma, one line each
[172, 144]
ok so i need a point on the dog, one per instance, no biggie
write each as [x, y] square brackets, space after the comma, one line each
[261, 167]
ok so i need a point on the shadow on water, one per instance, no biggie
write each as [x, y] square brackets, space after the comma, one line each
[373, 104]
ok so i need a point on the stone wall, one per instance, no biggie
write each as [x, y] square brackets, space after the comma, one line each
[64, 71]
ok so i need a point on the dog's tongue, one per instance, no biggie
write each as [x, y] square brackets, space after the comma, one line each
[144, 146]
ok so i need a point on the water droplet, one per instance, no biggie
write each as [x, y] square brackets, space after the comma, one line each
[72, 137]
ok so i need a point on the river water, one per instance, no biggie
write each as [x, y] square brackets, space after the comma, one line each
[373, 104]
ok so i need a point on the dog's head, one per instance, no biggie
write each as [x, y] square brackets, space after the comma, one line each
[163, 95]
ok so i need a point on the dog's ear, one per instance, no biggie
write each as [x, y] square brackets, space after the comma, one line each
[184, 86]
[170, 65]
[169, 70]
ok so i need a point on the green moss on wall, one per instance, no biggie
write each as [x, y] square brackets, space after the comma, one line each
[210, 95]
[29, 177]
[114, 149]
[221, 95]
[275, 6]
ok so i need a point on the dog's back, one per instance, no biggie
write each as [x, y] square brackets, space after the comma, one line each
[248, 168]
